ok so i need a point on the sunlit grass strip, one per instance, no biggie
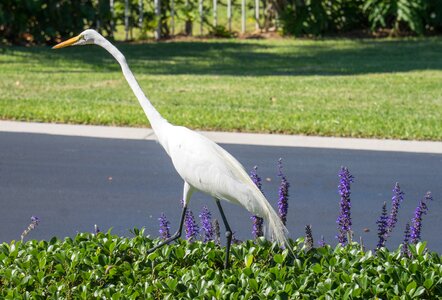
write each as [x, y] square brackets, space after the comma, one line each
[363, 88]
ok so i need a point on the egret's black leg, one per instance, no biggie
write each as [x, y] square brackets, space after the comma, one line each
[228, 234]
[173, 237]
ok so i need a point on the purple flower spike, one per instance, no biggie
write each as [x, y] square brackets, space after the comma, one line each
[344, 218]
[386, 223]
[398, 197]
[308, 237]
[255, 178]
[321, 242]
[416, 222]
[405, 249]
[206, 222]
[191, 226]
[164, 227]
[382, 227]
[96, 229]
[34, 222]
[257, 221]
[283, 193]
[217, 232]
[257, 226]
[235, 240]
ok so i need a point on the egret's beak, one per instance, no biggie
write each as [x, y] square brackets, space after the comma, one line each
[67, 43]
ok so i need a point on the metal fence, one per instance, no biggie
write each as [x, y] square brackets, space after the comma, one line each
[205, 14]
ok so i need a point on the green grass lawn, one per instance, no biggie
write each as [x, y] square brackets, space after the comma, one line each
[358, 88]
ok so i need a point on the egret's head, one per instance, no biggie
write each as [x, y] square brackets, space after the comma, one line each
[89, 36]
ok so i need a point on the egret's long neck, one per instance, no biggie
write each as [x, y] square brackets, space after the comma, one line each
[156, 120]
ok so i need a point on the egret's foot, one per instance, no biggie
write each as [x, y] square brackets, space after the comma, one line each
[167, 241]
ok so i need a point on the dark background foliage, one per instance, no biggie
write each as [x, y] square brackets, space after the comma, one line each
[43, 21]
[319, 17]
[36, 21]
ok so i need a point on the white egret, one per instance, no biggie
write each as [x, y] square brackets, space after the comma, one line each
[201, 163]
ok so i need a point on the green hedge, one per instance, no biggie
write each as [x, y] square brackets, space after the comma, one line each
[106, 266]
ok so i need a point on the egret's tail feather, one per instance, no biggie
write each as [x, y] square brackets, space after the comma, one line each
[244, 192]
[276, 228]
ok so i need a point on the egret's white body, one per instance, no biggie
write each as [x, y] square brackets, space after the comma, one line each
[207, 167]
[201, 163]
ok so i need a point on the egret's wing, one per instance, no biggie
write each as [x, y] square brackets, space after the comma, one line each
[211, 169]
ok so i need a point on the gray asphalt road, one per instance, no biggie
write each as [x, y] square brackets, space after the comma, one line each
[72, 183]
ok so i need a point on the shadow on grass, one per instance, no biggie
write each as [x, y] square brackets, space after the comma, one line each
[252, 58]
